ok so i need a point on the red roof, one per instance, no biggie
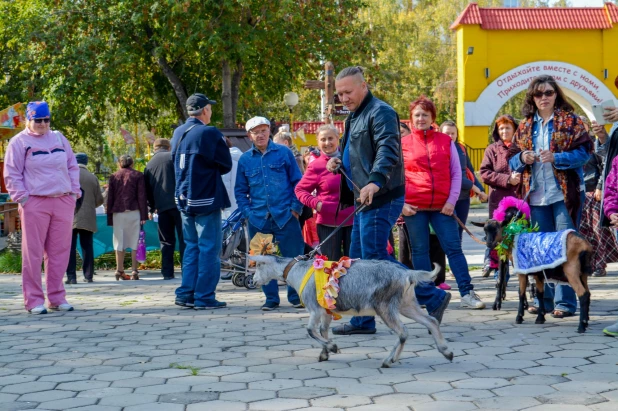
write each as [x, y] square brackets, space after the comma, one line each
[311, 127]
[555, 18]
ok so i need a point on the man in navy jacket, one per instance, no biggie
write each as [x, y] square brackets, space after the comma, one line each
[200, 157]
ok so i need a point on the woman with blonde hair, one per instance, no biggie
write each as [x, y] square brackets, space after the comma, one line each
[317, 179]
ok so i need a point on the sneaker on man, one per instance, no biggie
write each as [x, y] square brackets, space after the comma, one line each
[62, 307]
[473, 301]
[438, 313]
[611, 330]
[211, 305]
[184, 303]
[39, 309]
[270, 306]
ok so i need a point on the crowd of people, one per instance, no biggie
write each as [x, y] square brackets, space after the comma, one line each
[381, 170]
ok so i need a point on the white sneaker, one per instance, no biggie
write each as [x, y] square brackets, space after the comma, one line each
[472, 301]
[62, 307]
[39, 309]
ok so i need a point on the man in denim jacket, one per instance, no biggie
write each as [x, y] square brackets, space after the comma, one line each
[265, 181]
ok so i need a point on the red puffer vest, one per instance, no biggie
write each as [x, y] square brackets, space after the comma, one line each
[427, 161]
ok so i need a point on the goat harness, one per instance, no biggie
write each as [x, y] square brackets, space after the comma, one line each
[326, 275]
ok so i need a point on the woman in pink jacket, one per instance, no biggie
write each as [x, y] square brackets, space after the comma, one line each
[42, 175]
[325, 185]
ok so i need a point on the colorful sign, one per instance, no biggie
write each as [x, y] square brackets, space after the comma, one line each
[580, 85]
[12, 120]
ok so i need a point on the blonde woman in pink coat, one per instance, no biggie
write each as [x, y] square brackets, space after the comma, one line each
[42, 175]
[325, 185]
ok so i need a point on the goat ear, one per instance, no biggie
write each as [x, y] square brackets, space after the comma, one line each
[477, 224]
[261, 258]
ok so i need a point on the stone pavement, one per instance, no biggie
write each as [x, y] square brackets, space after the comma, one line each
[127, 347]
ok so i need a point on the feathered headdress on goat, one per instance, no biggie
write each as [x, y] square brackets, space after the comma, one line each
[508, 202]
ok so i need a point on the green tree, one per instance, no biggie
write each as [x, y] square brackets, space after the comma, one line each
[145, 57]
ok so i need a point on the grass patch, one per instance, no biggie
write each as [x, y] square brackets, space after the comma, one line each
[10, 262]
[194, 370]
[126, 303]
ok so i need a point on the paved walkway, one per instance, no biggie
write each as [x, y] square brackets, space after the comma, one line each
[128, 347]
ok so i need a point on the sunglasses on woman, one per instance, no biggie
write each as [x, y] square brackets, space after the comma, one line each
[41, 120]
[546, 93]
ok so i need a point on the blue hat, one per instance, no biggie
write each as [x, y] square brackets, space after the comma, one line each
[82, 158]
[198, 101]
[37, 109]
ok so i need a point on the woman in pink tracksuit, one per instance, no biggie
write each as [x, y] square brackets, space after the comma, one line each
[326, 200]
[42, 175]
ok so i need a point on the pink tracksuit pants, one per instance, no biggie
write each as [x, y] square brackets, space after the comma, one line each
[46, 229]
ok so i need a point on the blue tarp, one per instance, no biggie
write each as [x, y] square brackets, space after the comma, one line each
[103, 238]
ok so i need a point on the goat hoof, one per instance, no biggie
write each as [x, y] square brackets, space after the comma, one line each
[386, 364]
[449, 356]
[333, 348]
[519, 320]
[540, 321]
[581, 329]
[494, 307]
[323, 357]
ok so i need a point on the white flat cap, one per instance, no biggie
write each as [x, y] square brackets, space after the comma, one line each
[256, 121]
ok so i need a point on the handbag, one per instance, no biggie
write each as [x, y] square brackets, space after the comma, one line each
[140, 253]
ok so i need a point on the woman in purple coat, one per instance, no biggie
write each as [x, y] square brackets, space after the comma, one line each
[496, 173]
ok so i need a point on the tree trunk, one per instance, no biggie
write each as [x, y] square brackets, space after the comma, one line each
[179, 89]
[168, 72]
[229, 116]
[236, 77]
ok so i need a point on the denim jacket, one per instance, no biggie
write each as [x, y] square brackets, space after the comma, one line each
[574, 159]
[265, 185]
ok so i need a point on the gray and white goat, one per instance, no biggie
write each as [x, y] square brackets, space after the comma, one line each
[370, 287]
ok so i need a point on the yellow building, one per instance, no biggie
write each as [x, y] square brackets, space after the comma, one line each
[500, 50]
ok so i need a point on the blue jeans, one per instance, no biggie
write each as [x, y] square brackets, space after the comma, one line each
[369, 239]
[555, 217]
[445, 228]
[201, 265]
[291, 244]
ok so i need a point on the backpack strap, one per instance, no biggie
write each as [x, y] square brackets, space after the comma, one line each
[181, 138]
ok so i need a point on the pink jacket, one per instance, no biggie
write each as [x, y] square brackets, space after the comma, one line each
[36, 165]
[326, 185]
[610, 197]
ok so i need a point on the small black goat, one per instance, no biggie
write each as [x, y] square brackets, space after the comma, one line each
[574, 270]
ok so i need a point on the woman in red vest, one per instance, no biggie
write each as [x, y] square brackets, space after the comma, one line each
[433, 182]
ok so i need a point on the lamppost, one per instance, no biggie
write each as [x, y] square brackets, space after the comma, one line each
[291, 100]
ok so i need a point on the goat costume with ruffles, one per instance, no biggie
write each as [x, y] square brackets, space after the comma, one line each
[533, 252]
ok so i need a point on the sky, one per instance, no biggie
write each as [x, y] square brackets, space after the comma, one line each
[586, 3]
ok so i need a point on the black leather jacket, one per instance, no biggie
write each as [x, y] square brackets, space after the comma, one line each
[375, 152]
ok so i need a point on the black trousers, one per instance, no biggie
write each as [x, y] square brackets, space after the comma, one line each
[170, 225]
[338, 245]
[436, 254]
[85, 241]
[405, 255]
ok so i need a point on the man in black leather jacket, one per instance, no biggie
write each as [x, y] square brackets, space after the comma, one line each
[372, 159]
